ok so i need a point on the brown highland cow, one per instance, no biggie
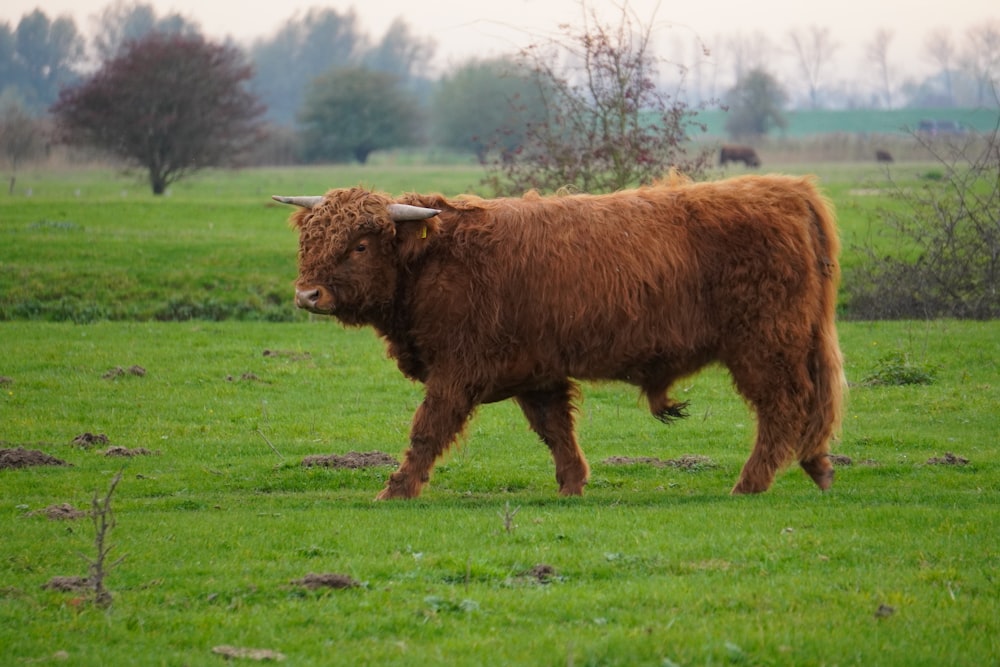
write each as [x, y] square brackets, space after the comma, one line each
[487, 299]
[745, 154]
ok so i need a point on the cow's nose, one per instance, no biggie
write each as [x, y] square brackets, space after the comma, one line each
[306, 298]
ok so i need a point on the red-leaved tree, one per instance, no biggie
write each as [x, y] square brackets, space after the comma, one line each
[169, 104]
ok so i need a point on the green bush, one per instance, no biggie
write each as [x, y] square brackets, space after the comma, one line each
[897, 369]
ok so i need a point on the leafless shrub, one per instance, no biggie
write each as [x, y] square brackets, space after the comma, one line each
[607, 125]
[947, 259]
[104, 520]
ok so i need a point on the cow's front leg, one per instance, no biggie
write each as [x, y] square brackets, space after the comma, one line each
[550, 413]
[436, 424]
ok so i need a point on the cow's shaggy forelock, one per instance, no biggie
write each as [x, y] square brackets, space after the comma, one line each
[327, 230]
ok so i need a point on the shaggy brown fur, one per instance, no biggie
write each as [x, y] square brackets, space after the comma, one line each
[511, 298]
[745, 154]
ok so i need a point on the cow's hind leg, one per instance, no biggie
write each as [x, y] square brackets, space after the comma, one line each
[771, 452]
[436, 424]
[778, 388]
[550, 413]
[814, 444]
[820, 470]
[825, 407]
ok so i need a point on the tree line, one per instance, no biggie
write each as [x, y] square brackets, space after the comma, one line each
[320, 89]
[165, 99]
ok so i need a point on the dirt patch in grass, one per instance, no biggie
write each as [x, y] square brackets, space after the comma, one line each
[542, 573]
[88, 440]
[351, 460]
[67, 584]
[314, 581]
[709, 565]
[127, 452]
[18, 457]
[288, 354]
[686, 462]
[4, 380]
[258, 654]
[245, 377]
[118, 371]
[63, 512]
[884, 611]
[841, 461]
[948, 459]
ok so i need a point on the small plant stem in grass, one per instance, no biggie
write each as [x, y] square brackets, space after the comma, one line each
[508, 517]
[267, 420]
[273, 448]
[104, 520]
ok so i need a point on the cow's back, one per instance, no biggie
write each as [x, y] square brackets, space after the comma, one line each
[586, 285]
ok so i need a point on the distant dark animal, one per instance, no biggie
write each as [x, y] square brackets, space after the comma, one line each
[882, 155]
[744, 154]
[487, 299]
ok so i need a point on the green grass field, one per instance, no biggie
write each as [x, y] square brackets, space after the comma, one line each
[653, 566]
[808, 124]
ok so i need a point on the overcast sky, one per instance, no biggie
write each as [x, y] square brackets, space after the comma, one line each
[465, 28]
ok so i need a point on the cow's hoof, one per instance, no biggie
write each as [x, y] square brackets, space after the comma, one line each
[386, 494]
[744, 487]
[572, 489]
[395, 492]
[820, 470]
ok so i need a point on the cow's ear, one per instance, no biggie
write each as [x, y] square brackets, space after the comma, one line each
[414, 236]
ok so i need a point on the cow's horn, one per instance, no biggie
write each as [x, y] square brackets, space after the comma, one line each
[404, 212]
[304, 202]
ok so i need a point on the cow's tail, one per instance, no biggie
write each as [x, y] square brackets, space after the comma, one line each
[826, 366]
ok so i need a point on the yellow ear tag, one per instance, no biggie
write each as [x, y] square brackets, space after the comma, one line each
[423, 234]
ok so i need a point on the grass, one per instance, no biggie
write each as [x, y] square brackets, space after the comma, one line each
[805, 125]
[654, 566]
[86, 246]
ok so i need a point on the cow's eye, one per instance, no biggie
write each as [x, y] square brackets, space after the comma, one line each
[361, 247]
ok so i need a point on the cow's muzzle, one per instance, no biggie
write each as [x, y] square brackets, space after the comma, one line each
[309, 299]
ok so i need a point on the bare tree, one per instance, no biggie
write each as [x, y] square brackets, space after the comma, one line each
[607, 126]
[814, 48]
[103, 517]
[702, 85]
[877, 53]
[749, 52]
[401, 52]
[941, 51]
[946, 262]
[982, 57]
[21, 136]
[125, 21]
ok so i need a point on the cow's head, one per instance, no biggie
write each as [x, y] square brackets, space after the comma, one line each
[353, 243]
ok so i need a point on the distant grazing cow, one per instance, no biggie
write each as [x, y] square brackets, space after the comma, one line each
[487, 299]
[882, 155]
[744, 154]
